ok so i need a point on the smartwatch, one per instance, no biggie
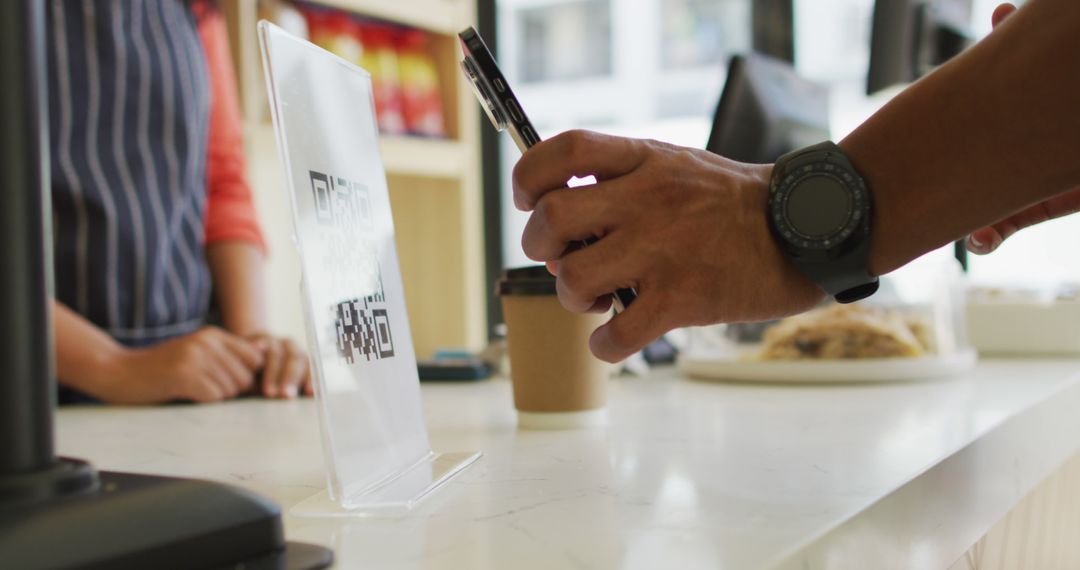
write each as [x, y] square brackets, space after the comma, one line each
[819, 213]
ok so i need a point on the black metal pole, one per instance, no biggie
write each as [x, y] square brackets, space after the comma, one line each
[27, 384]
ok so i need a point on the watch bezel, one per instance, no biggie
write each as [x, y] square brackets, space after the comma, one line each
[850, 233]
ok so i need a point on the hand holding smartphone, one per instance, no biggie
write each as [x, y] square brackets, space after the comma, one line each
[504, 110]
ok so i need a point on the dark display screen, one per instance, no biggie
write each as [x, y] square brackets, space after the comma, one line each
[818, 206]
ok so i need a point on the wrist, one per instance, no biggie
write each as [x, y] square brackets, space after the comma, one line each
[102, 373]
[134, 376]
[799, 292]
[244, 325]
[113, 367]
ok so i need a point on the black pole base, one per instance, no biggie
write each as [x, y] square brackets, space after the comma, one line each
[144, 521]
[64, 478]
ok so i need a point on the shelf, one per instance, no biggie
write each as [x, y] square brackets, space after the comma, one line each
[434, 184]
[443, 16]
[406, 156]
[416, 156]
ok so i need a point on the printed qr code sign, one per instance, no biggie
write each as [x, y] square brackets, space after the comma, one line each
[363, 331]
[362, 324]
[341, 203]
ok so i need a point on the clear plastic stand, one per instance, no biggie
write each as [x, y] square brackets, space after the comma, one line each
[375, 443]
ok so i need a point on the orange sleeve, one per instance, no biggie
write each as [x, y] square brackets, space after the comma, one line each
[230, 211]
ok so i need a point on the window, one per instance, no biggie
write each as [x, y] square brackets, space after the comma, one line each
[703, 32]
[647, 68]
[550, 33]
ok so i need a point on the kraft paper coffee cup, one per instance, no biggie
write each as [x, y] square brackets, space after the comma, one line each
[558, 383]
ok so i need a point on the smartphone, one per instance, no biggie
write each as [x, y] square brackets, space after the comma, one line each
[504, 110]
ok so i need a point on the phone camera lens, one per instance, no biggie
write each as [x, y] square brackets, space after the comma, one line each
[492, 110]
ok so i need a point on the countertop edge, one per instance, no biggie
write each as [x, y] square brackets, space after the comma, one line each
[931, 521]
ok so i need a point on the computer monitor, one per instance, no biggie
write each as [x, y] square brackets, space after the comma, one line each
[911, 37]
[767, 110]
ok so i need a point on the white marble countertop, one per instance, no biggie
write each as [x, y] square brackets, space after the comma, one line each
[688, 475]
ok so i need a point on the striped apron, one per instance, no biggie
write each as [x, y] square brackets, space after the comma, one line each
[129, 105]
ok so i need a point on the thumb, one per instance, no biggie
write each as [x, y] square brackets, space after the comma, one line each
[630, 330]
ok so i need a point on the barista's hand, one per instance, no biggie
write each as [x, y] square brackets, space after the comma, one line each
[684, 227]
[208, 365]
[286, 372]
[988, 239]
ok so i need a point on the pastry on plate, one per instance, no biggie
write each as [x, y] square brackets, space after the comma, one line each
[841, 332]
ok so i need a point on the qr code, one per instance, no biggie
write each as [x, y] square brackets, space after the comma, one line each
[363, 330]
[362, 324]
[341, 203]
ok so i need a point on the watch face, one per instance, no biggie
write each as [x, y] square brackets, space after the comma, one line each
[819, 206]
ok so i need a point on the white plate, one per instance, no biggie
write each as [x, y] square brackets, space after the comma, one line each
[863, 370]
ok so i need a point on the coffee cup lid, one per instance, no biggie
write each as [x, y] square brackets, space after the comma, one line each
[531, 280]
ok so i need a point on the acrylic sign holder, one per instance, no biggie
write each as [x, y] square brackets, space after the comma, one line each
[375, 443]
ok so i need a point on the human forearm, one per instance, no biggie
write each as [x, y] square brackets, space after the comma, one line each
[86, 357]
[990, 133]
[237, 269]
[204, 366]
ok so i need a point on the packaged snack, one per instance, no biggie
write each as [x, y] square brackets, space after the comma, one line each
[335, 31]
[380, 59]
[421, 97]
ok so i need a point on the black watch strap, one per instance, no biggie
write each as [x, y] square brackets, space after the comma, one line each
[845, 280]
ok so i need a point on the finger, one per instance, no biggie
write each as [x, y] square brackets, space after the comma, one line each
[244, 350]
[239, 377]
[296, 373]
[235, 378]
[552, 267]
[292, 371]
[207, 394]
[602, 305]
[565, 216]
[594, 272]
[983, 241]
[1063, 204]
[223, 369]
[630, 330]
[551, 163]
[1001, 12]
[275, 358]
[309, 388]
[213, 386]
[988, 239]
